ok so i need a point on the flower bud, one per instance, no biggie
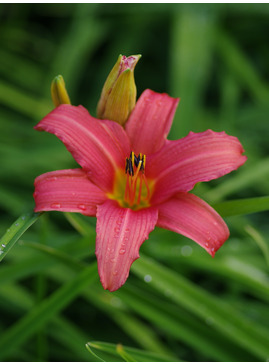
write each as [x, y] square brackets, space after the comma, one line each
[118, 96]
[59, 94]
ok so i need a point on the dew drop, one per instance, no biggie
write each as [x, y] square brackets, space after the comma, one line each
[8, 230]
[55, 205]
[82, 207]
[23, 217]
[122, 251]
[186, 251]
[3, 245]
[1, 252]
[147, 278]
[115, 273]
[112, 260]
[17, 224]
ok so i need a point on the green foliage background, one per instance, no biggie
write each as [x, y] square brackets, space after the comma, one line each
[178, 303]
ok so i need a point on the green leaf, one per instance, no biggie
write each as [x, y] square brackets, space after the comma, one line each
[118, 351]
[15, 231]
[225, 319]
[22, 102]
[122, 352]
[57, 254]
[192, 31]
[239, 64]
[177, 323]
[78, 223]
[258, 238]
[242, 206]
[29, 324]
[133, 326]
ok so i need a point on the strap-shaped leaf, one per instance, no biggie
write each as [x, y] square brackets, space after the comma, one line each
[15, 231]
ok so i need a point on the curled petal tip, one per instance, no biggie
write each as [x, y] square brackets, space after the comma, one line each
[120, 233]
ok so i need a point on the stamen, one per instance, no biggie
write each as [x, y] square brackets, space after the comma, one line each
[134, 166]
[127, 189]
[134, 181]
[147, 186]
[140, 190]
[137, 170]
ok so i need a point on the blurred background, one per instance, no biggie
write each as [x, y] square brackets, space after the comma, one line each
[178, 303]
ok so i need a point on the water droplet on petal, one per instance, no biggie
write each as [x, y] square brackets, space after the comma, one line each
[147, 278]
[115, 273]
[55, 205]
[82, 207]
[122, 251]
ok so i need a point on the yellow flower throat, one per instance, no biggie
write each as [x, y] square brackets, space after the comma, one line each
[131, 187]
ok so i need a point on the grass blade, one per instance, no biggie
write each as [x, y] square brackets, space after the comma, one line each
[116, 352]
[29, 324]
[246, 333]
[15, 231]
[242, 206]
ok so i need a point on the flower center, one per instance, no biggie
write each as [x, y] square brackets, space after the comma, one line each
[131, 188]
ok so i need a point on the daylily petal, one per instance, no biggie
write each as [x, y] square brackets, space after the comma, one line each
[97, 145]
[198, 157]
[192, 217]
[67, 190]
[150, 121]
[120, 233]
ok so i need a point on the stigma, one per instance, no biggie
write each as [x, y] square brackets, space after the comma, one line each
[137, 189]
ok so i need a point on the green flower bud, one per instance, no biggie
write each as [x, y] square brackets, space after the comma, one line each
[118, 97]
[59, 94]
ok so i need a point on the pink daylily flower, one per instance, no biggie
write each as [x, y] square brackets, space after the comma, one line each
[134, 179]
